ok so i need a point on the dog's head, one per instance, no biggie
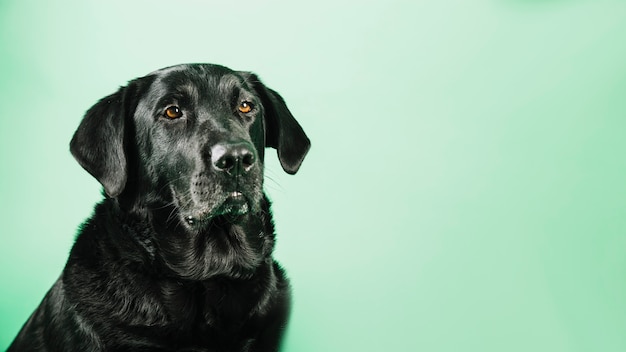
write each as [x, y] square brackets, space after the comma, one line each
[196, 132]
[186, 144]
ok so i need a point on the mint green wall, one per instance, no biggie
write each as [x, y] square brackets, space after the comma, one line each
[466, 190]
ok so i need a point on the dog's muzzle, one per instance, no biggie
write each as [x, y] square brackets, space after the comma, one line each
[233, 167]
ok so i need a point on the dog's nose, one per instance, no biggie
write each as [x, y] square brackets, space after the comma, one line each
[234, 158]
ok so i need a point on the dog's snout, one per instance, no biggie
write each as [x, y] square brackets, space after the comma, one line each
[233, 158]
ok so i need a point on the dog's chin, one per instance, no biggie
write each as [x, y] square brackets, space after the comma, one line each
[233, 209]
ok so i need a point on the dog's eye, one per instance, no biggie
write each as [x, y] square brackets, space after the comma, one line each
[173, 112]
[245, 107]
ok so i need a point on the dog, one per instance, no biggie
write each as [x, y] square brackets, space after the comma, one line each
[178, 254]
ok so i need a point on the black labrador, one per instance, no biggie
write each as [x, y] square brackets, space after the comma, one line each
[178, 255]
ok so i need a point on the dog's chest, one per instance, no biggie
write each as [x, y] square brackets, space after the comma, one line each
[220, 304]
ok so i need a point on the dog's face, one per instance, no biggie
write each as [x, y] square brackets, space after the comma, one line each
[187, 142]
[204, 130]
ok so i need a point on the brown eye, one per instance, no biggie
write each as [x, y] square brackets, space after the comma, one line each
[245, 107]
[173, 112]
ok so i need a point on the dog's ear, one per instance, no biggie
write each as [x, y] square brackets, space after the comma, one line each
[282, 131]
[99, 142]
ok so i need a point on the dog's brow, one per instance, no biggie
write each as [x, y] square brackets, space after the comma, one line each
[229, 83]
[184, 92]
[188, 90]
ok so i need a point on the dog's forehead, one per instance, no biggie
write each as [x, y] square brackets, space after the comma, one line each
[198, 80]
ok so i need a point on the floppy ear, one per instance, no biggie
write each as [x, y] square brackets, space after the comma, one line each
[282, 131]
[98, 143]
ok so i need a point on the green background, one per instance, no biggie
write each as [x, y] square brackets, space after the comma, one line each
[466, 189]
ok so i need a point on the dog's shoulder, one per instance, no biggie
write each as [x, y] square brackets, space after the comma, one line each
[107, 274]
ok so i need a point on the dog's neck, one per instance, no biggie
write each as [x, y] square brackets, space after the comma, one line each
[165, 247]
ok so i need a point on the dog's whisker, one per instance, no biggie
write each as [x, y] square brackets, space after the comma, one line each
[171, 216]
[273, 184]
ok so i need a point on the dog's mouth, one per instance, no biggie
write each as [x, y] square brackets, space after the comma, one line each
[235, 204]
[233, 208]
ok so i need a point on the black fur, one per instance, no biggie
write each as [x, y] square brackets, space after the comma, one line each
[178, 256]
